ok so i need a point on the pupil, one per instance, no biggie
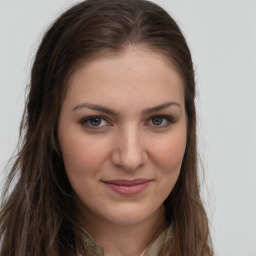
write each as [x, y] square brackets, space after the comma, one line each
[95, 121]
[157, 120]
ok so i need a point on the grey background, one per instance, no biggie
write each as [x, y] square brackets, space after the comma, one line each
[222, 38]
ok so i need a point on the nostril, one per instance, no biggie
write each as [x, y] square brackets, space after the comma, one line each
[129, 159]
[129, 150]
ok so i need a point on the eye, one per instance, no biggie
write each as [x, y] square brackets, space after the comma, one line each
[94, 122]
[160, 121]
[157, 120]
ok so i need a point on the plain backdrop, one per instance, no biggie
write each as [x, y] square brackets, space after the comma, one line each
[222, 38]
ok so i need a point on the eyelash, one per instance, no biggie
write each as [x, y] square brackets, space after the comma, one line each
[168, 119]
[86, 122]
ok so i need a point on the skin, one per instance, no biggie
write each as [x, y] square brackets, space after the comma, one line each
[136, 141]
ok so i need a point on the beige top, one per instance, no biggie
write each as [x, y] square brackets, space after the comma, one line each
[152, 250]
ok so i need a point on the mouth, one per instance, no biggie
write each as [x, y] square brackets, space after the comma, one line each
[127, 187]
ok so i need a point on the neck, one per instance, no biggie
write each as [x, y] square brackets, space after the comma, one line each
[124, 240]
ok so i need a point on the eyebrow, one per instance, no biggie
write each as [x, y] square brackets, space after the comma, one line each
[97, 108]
[160, 107]
[115, 113]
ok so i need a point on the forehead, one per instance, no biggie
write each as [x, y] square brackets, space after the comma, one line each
[126, 77]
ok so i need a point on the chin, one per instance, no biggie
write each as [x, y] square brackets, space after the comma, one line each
[128, 215]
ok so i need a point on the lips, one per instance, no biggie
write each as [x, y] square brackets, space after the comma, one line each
[127, 187]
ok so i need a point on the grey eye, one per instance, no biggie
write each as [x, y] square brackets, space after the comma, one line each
[95, 121]
[157, 120]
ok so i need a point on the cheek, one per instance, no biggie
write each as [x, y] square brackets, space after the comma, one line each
[81, 156]
[168, 161]
[83, 161]
[169, 153]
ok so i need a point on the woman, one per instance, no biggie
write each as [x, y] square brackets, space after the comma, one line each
[108, 163]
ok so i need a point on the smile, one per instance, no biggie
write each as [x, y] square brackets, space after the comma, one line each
[127, 187]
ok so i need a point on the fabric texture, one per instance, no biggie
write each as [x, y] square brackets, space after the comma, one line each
[155, 247]
[152, 250]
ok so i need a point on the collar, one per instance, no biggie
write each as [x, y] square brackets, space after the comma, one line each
[152, 250]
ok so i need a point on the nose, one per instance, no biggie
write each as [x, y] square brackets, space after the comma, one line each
[129, 152]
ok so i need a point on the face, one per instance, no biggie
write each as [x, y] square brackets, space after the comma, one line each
[122, 134]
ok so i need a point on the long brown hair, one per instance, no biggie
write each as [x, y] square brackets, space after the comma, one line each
[36, 216]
